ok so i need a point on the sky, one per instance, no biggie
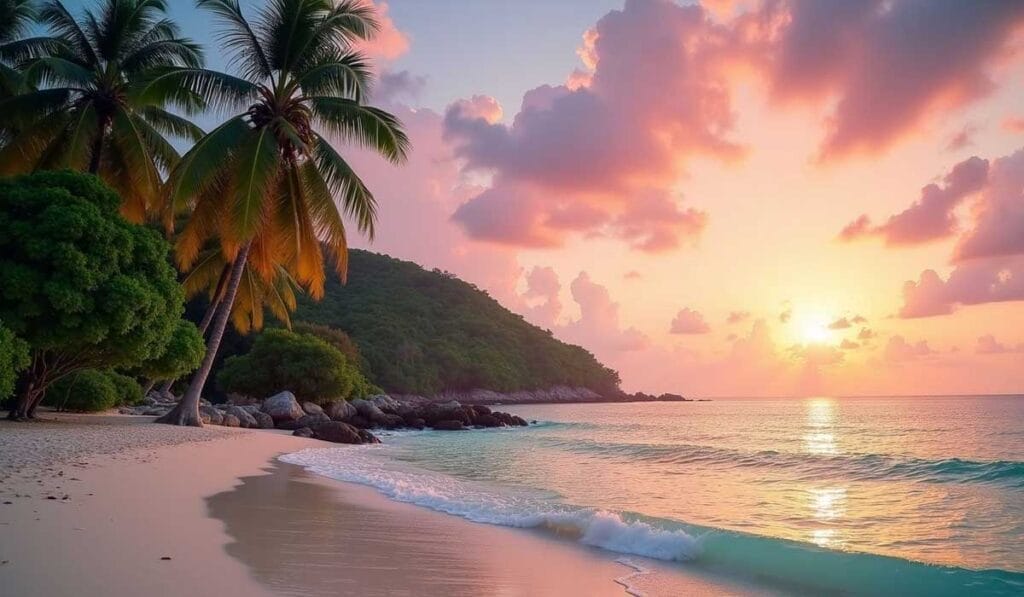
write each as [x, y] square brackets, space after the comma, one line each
[757, 198]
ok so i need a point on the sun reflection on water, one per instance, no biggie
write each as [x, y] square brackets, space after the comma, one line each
[819, 438]
[827, 504]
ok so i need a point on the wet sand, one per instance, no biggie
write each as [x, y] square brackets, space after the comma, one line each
[234, 521]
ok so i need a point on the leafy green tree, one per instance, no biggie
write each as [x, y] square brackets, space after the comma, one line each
[13, 359]
[129, 392]
[182, 354]
[265, 183]
[87, 390]
[85, 108]
[336, 338]
[84, 288]
[300, 363]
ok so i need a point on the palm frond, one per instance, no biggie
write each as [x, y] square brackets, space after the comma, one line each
[171, 124]
[56, 16]
[179, 87]
[330, 227]
[345, 185]
[337, 74]
[199, 169]
[239, 39]
[255, 170]
[367, 126]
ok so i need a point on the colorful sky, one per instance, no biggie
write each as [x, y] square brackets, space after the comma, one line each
[774, 197]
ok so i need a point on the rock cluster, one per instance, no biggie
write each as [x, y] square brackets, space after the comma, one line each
[346, 422]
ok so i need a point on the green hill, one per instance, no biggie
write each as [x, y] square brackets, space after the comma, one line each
[423, 332]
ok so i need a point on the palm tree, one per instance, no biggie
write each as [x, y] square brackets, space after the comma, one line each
[88, 112]
[264, 183]
[16, 16]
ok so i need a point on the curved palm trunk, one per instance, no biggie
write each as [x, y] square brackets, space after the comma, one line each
[97, 146]
[187, 410]
[205, 323]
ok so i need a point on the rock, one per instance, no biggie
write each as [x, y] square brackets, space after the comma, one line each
[231, 421]
[310, 421]
[311, 408]
[283, 407]
[488, 421]
[214, 416]
[156, 411]
[393, 422]
[341, 410]
[369, 411]
[415, 422]
[252, 409]
[367, 437]
[449, 425]
[519, 421]
[385, 403]
[337, 432]
[244, 418]
[304, 432]
[360, 422]
[480, 409]
[263, 420]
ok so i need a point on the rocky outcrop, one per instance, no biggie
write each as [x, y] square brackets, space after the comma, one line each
[554, 395]
[282, 407]
[341, 410]
[245, 419]
[312, 408]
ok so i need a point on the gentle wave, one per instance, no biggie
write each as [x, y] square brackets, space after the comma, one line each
[786, 564]
[856, 467]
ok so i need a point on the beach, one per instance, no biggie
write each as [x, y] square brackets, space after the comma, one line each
[112, 505]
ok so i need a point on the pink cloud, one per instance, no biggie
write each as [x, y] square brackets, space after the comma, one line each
[737, 317]
[988, 344]
[840, 324]
[898, 350]
[598, 327]
[866, 334]
[962, 139]
[390, 42]
[601, 158]
[848, 345]
[970, 283]
[1014, 124]
[999, 223]
[687, 321]
[932, 216]
[889, 67]
[542, 284]
[394, 87]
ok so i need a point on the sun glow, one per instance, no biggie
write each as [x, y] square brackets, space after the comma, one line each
[813, 329]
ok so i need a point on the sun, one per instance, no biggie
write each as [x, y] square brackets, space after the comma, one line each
[813, 329]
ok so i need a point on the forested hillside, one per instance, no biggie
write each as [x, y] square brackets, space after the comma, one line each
[425, 332]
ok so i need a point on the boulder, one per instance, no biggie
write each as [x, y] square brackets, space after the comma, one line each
[231, 421]
[310, 421]
[369, 411]
[263, 420]
[385, 403]
[415, 422]
[449, 425]
[488, 421]
[393, 422]
[367, 437]
[337, 432]
[283, 407]
[311, 408]
[519, 421]
[341, 410]
[244, 418]
[304, 432]
[360, 422]
[480, 409]
[211, 415]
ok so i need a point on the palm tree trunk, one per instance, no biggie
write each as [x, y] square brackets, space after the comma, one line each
[97, 149]
[187, 410]
[204, 324]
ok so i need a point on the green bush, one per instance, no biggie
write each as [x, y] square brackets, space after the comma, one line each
[87, 390]
[13, 359]
[129, 392]
[301, 363]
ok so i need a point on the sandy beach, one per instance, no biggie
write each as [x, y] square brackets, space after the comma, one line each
[105, 505]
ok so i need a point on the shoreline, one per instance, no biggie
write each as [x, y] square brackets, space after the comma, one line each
[235, 520]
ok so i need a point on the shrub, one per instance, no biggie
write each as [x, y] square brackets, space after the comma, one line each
[129, 392]
[13, 359]
[301, 363]
[87, 390]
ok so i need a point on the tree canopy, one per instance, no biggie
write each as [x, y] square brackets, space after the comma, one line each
[301, 363]
[84, 287]
[425, 332]
[183, 352]
[13, 359]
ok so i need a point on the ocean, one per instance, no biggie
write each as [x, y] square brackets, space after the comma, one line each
[859, 496]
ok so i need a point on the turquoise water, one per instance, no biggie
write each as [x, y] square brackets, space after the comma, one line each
[911, 496]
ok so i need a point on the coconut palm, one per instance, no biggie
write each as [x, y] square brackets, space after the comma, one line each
[16, 17]
[84, 108]
[265, 183]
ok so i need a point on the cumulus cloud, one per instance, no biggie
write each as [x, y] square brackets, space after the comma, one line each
[988, 344]
[899, 350]
[1014, 124]
[390, 42]
[866, 334]
[889, 66]
[962, 139]
[848, 345]
[398, 86]
[687, 321]
[632, 275]
[737, 317]
[933, 215]
[598, 326]
[786, 315]
[543, 286]
[601, 157]
[999, 225]
[840, 324]
[970, 283]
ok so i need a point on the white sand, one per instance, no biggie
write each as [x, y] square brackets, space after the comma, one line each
[127, 493]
